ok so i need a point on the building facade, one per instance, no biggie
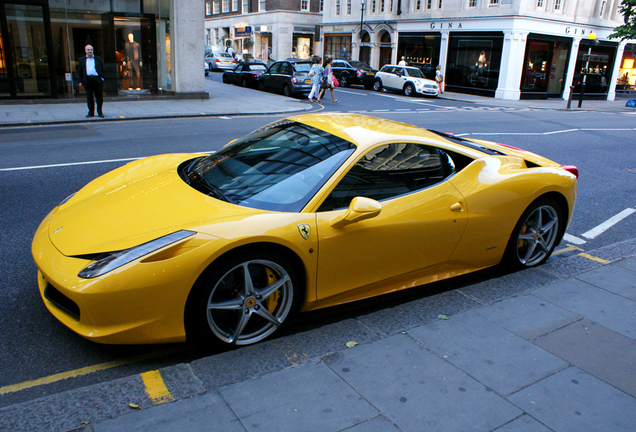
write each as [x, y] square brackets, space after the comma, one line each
[148, 46]
[264, 29]
[508, 49]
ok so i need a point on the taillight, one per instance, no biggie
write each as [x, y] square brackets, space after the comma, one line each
[294, 80]
[234, 61]
[218, 61]
[359, 73]
[571, 169]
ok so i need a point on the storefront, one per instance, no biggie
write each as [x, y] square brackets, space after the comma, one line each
[545, 66]
[338, 46]
[627, 72]
[303, 42]
[421, 50]
[597, 68]
[41, 42]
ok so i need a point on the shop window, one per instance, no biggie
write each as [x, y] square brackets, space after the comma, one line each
[473, 62]
[338, 47]
[420, 50]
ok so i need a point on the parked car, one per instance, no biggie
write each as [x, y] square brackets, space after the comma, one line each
[219, 61]
[289, 77]
[245, 74]
[206, 68]
[353, 72]
[409, 80]
[307, 212]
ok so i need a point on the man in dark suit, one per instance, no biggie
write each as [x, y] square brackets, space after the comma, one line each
[91, 74]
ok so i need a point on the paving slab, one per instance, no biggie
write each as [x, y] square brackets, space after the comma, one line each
[376, 424]
[307, 397]
[208, 412]
[416, 390]
[527, 316]
[608, 309]
[597, 350]
[525, 423]
[573, 400]
[617, 279]
[629, 264]
[489, 353]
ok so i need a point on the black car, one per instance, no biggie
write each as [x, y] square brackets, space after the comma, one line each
[289, 77]
[245, 74]
[353, 72]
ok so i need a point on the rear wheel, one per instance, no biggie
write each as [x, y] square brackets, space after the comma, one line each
[261, 86]
[244, 299]
[244, 82]
[225, 81]
[377, 85]
[409, 90]
[535, 235]
[344, 80]
[287, 91]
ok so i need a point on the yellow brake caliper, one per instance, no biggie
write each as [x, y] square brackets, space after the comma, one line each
[272, 301]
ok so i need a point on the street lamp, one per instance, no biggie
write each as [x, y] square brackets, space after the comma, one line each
[592, 38]
[361, 17]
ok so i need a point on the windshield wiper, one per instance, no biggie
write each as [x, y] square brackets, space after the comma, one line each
[211, 189]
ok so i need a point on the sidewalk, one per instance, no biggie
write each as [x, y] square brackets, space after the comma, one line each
[546, 349]
[230, 100]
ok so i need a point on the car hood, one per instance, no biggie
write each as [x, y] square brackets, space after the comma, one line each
[134, 204]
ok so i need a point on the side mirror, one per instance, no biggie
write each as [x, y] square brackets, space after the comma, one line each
[360, 209]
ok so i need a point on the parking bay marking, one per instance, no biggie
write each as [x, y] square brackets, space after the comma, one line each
[155, 387]
[600, 229]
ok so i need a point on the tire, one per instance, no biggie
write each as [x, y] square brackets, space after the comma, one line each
[207, 72]
[409, 90]
[287, 91]
[261, 86]
[536, 234]
[244, 82]
[225, 81]
[377, 85]
[344, 80]
[227, 307]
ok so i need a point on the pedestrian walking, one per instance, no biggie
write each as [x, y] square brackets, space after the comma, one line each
[316, 74]
[402, 62]
[90, 70]
[329, 82]
[439, 78]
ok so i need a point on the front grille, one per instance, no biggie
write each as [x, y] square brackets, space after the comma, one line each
[61, 301]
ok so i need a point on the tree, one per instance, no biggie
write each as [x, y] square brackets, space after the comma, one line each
[627, 30]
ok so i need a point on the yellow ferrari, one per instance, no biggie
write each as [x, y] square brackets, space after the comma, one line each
[307, 212]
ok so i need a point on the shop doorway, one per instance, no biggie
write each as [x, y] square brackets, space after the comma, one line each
[545, 67]
[386, 51]
[25, 48]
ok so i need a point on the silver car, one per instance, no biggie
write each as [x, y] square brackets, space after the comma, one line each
[219, 61]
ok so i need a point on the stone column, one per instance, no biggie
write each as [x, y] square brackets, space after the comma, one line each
[187, 33]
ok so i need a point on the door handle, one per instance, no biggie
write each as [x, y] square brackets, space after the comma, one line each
[457, 207]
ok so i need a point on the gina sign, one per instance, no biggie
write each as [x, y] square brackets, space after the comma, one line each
[448, 25]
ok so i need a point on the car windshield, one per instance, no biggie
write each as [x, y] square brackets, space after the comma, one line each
[359, 65]
[222, 54]
[278, 167]
[302, 67]
[414, 72]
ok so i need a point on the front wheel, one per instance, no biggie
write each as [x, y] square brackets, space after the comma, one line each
[225, 80]
[409, 90]
[535, 235]
[377, 85]
[244, 299]
[344, 80]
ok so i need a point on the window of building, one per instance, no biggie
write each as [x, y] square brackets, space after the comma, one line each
[418, 5]
[348, 7]
[322, 5]
[472, 3]
[429, 4]
[304, 5]
[234, 5]
[337, 7]
[540, 4]
[558, 5]
[225, 6]
[372, 6]
[494, 3]
[216, 6]
[439, 4]
[246, 6]
[208, 8]
[381, 6]
[262, 6]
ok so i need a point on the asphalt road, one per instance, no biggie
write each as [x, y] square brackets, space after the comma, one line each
[34, 346]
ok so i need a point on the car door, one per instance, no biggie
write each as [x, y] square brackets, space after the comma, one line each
[422, 219]
[285, 76]
[235, 74]
[338, 67]
[268, 78]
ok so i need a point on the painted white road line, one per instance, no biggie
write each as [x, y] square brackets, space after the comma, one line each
[560, 131]
[572, 239]
[600, 229]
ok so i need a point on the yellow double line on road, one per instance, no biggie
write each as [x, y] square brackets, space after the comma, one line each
[570, 248]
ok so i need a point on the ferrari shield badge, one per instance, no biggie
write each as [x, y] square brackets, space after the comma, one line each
[304, 230]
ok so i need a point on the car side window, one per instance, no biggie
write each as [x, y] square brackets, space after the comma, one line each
[389, 171]
[239, 68]
[386, 69]
[286, 69]
[275, 67]
[338, 64]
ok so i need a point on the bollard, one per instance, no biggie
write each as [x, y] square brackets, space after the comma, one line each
[570, 96]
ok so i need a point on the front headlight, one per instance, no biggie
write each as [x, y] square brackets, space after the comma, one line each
[112, 260]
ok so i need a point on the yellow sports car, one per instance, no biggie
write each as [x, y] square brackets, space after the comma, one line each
[307, 212]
